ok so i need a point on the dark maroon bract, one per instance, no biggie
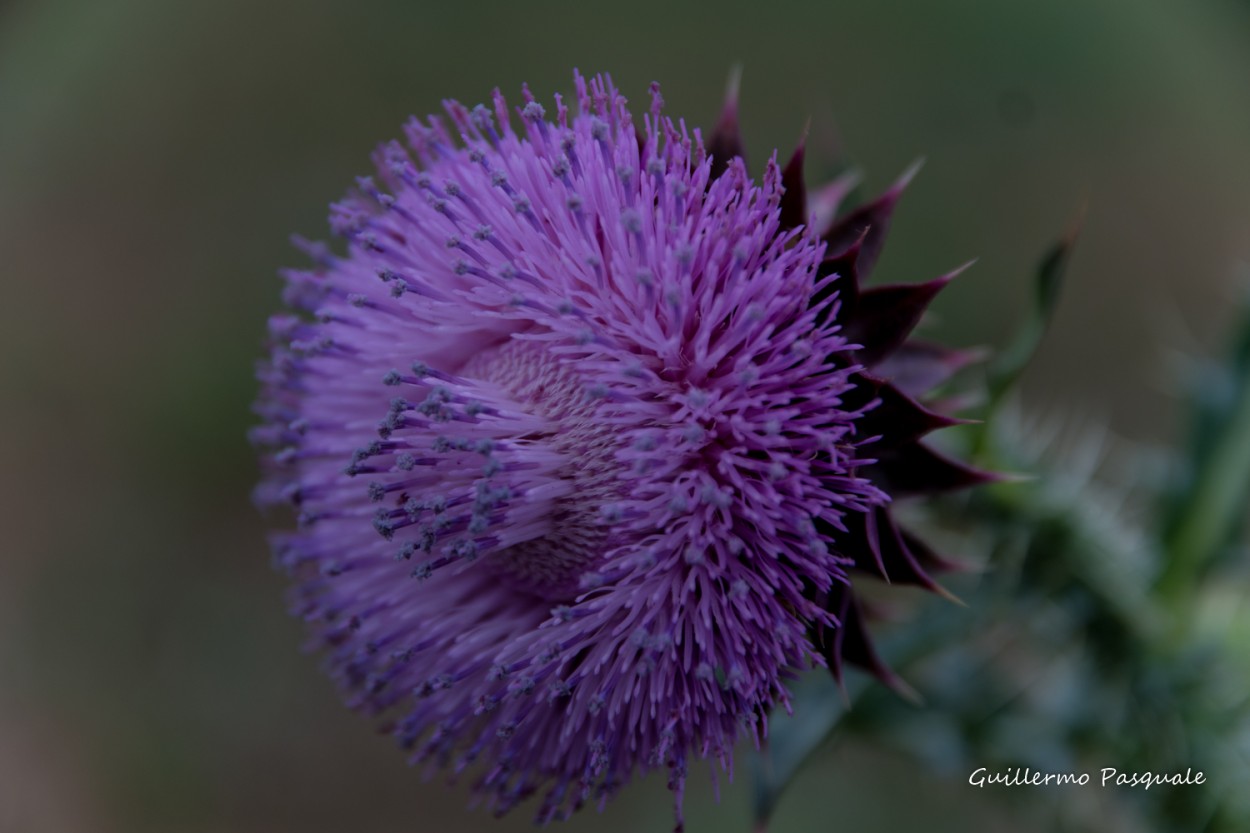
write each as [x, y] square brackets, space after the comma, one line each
[587, 432]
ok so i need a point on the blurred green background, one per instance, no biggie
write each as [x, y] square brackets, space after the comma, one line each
[154, 157]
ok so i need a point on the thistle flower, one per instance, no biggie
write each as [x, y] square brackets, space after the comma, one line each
[587, 432]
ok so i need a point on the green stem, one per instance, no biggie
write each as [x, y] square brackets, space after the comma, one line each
[1212, 508]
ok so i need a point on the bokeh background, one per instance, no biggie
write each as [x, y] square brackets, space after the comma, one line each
[154, 157]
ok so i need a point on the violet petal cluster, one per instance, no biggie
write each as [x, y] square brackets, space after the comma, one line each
[587, 432]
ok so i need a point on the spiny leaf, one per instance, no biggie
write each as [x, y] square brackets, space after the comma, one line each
[1010, 363]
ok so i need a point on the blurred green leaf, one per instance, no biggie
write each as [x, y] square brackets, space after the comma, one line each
[1209, 513]
[1006, 368]
[818, 705]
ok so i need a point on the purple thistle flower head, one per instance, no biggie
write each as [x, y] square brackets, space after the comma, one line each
[587, 433]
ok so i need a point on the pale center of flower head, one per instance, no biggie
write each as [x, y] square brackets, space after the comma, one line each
[559, 476]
